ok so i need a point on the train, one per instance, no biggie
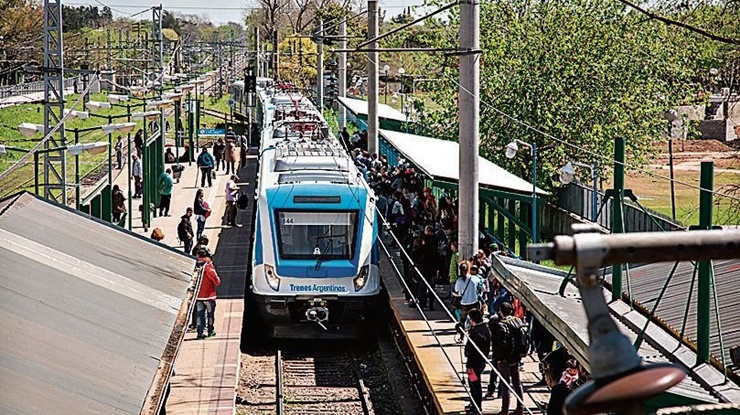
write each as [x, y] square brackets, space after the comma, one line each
[315, 253]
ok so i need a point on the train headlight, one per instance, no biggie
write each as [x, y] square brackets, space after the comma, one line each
[361, 278]
[272, 279]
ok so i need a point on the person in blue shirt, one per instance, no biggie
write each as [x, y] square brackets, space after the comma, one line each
[165, 192]
[205, 163]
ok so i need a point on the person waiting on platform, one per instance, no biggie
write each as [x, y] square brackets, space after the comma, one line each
[508, 345]
[230, 157]
[218, 153]
[475, 361]
[169, 156]
[205, 302]
[165, 192]
[205, 163]
[231, 192]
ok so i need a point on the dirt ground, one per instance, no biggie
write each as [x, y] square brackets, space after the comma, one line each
[654, 191]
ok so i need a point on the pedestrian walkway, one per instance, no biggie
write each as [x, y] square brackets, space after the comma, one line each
[207, 371]
[440, 358]
[28, 98]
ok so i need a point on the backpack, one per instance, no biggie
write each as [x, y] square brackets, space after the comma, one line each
[243, 201]
[517, 338]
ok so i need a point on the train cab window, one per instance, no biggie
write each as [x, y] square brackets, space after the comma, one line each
[311, 234]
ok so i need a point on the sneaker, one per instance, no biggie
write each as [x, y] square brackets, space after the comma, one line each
[490, 394]
[201, 336]
[212, 334]
[191, 329]
[406, 302]
[518, 411]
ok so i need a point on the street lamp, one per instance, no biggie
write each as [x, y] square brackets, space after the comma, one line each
[75, 150]
[29, 130]
[567, 174]
[159, 104]
[511, 150]
[149, 115]
[115, 98]
[83, 115]
[123, 128]
[386, 68]
[96, 105]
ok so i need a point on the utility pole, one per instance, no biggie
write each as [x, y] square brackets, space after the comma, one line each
[257, 51]
[157, 63]
[372, 78]
[617, 202]
[469, 126]
[342, 81]
[275, 55]
[320, 66]
[109, 53]
[703, 300]
[54, 101]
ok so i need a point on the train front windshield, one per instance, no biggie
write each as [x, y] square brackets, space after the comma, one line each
[317, 234]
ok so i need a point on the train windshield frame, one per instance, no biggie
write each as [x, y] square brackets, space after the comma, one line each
[310, 234]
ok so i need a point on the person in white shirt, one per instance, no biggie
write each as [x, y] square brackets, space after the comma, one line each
[231, 192]
[137, 174]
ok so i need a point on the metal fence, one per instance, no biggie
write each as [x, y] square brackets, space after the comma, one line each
[29, 88]
[578, 199]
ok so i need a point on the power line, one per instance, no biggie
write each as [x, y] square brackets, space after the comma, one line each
[580, 148]
[686, 26]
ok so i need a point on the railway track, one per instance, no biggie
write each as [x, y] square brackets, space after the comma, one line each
[320, 383]
[316, 379]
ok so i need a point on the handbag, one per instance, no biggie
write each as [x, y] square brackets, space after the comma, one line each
[457, 300]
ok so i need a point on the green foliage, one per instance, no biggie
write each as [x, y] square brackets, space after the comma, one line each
[585, 71]
[78, 17]
[294, 68]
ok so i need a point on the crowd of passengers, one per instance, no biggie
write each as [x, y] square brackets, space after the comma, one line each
[426, 227]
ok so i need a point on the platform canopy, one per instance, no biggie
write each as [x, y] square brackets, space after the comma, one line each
[439, 160]
[359, 107]
[93, 315]
[560, 310]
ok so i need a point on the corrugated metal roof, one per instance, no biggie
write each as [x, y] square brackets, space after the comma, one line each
[647, 281]
[88, 311]
[538, 288]
[439, 159]
[359, 107]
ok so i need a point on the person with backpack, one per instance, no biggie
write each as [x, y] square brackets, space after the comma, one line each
[475, 361]
[510, 344]
[205, 163]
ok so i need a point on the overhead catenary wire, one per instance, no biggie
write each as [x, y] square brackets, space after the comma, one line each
[581, 148]
[46, 138]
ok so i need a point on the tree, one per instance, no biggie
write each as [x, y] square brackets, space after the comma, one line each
[582, 71]
[294, 68]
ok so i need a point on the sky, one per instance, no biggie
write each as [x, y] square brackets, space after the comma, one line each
[219, 12]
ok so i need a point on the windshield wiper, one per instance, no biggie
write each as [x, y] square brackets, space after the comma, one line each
[321, 255]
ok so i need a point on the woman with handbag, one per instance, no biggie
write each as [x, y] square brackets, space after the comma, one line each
[202, 211]
[466, 292]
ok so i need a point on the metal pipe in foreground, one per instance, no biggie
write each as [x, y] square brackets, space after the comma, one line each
[641, 247]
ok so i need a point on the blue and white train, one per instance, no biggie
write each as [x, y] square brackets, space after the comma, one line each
[315, 255]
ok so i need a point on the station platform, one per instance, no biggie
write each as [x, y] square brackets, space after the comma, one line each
[207, 371]
[431, 339]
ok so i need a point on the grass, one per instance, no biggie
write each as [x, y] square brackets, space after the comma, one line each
[655, 194]
[11, 117]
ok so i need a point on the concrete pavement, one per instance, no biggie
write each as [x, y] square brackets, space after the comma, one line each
[207, 371]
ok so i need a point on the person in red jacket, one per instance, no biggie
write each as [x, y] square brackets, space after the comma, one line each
[206, 299]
